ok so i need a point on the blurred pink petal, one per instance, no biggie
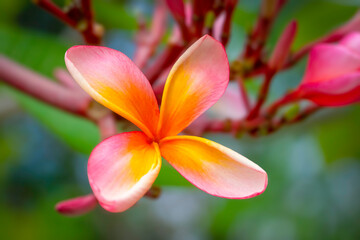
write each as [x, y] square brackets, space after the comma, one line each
[148, 40]
[188, 14]
[332, 74]
[230, 105]
[328, 61]
[352, 25]
[352, 42]
[335, 92]
[218, 26]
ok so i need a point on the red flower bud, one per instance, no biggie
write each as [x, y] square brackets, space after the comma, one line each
[77, 206]
[282, 47]
[332, 76]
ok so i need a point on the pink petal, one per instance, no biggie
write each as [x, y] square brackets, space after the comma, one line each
[113, 80]
[77, 206]
[336, 92]
[352, 42]
[218, 26]
[188, 13]
[196, 81]
[214, 168]
[351, 25]
[122, 168]
[229, 106]
[328, 61]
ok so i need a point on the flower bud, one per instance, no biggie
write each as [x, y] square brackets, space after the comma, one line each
[332, 76]
[282, 48]
[77, 206]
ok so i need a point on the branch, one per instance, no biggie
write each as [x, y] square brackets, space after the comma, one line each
[275, 106]
[275, 125]
[352, 25]
[260, 33]
[52, 8]
[93, 32]
[148, 40]
[163, 61]
[229, 10]
[177, 9]
[43, 88]
[82, 21]
[243, 93]
[233, 126]
[262, 95]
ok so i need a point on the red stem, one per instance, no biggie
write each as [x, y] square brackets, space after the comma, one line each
[262, 96]
[164, 60]
[88, 13]
[146, 40]
[259, 35]
[274, 107]
[352, 25]
[243, 94]
[234, 126]
[90, 34]
[306, 49]
[42, 88]
[49, 6]
[229, 10]
[275, 125]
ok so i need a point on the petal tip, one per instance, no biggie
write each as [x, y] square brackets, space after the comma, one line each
[213, 168]
[254, 194]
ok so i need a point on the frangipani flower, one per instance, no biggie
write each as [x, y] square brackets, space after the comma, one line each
[123, 167]
[332, 76]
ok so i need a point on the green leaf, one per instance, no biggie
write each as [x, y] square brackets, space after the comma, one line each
[113, 15]
[339, 136]
[244, 18]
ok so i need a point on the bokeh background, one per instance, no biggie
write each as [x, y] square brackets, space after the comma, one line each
[313, 167]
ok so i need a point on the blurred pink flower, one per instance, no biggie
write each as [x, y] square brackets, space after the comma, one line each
[230, 105]
[332, 76]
